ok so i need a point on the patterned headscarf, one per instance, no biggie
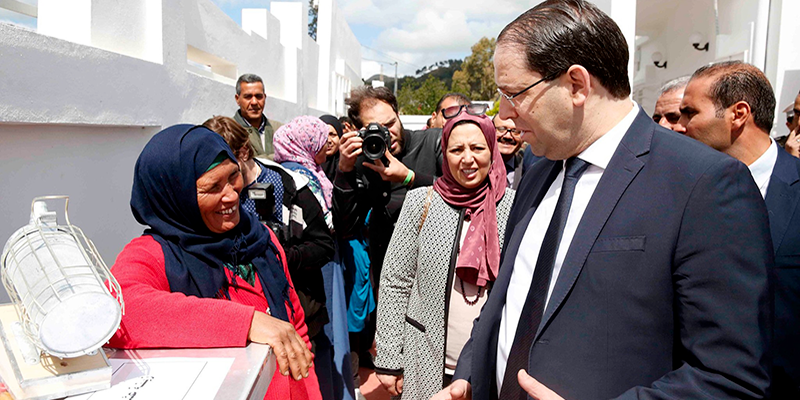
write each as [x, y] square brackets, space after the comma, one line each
[299, 141]
[479, 257]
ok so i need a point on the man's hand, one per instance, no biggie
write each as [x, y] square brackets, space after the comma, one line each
[349, 149]
[392, 383]
[460, 389]
[534, 388]
[395, 172]
[289, 348]
[792, 145]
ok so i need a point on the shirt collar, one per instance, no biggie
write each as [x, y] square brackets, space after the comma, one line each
[263, 121]
[600, 152]
[761, 169]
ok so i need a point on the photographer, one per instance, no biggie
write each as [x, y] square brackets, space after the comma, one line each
[363, 185]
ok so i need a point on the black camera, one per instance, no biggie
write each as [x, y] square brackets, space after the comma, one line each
[263, 194]
[376, 139]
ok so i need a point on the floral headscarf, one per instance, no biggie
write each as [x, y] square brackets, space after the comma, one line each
[299, 141]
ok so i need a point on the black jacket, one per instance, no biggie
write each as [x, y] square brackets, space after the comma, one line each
[362, 190]
[308, 245]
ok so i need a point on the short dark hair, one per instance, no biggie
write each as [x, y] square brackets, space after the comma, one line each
[248, 78]
[233, 133]
[558, 34]
[735, 81]
[461, 98]
[365, 97]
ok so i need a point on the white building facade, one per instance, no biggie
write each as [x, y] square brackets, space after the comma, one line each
[82, 94]
[759, 32]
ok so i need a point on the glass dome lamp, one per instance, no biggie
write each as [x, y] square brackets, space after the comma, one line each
[66, 299]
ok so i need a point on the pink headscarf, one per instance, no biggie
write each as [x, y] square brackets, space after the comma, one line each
[479, 257]
[299, 141]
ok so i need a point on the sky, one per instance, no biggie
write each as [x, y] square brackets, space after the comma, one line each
[415, 33]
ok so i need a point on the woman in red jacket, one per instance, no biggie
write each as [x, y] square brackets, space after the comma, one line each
[205, 274]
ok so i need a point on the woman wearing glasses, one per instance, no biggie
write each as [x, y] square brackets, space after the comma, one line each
[442, 259]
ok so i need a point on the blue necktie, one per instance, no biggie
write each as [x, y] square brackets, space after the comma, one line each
[532, 311]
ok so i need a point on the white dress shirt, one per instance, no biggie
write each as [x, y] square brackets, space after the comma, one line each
[598, 155]
[761, 169]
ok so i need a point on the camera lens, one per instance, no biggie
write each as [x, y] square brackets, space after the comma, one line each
[374, 147]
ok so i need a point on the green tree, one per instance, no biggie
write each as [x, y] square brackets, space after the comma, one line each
[313, 13]
[421, 98]
[495, 108]
[475, 78]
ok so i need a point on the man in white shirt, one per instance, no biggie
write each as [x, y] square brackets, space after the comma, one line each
[730, 106]
[636, 261]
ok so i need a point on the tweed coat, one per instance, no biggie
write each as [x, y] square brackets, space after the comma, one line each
[413, 296]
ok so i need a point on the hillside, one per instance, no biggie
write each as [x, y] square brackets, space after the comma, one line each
[442, 70]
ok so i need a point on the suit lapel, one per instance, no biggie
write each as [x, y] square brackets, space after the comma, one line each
[530, 194]
[621, 170]
[534, 186]
[782, 196]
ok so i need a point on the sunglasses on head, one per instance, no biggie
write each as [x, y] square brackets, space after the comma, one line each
[472, 109]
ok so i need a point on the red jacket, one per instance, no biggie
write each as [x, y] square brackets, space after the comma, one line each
[155, 317]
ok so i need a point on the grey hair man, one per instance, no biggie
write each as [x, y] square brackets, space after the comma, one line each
[251, 98]
[668, 106]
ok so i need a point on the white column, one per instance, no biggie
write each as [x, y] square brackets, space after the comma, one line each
[324, 40]
[292, 28]
[254, 20]
[67, 20]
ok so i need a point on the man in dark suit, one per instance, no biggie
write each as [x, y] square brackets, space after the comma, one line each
[638, 260]
[730, 106]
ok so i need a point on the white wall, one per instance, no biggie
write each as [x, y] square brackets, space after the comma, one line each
[760, 32]
[674, 45]
[336, 75]
[783, 57]
[74, 116]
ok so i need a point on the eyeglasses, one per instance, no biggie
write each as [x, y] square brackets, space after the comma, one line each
[502, 130]
[472, 109]
[510, 98]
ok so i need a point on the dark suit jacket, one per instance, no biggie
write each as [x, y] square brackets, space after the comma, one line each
[528, 159]
[783, 198]
[664, 291]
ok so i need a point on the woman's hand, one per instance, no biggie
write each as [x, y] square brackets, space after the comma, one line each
[289, 348]
[392, 383]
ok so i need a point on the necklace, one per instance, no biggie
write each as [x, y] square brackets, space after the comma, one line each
[464, 295]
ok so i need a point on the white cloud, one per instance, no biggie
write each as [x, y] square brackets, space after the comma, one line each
[417, 32]
[423, 32]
